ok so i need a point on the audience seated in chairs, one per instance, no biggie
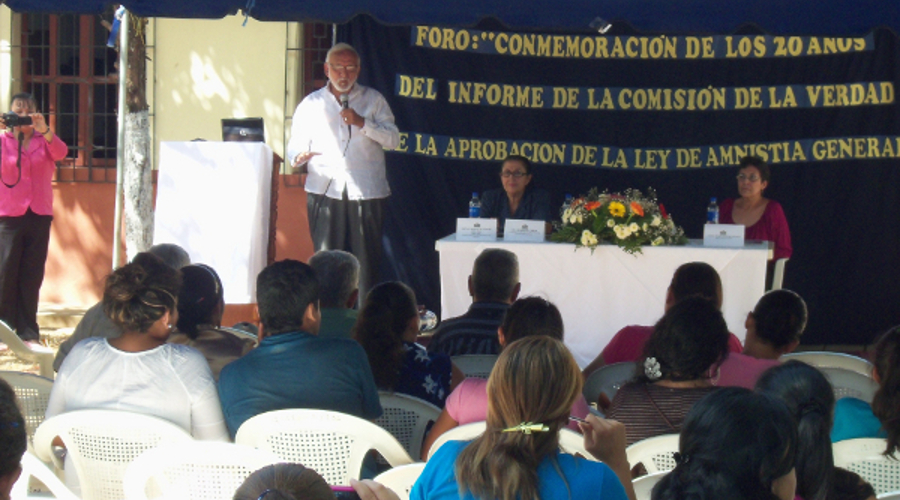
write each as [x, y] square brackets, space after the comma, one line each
[387, 328]
[468, 403]
[674, 373]
[854, 418]
[810, 399]
[493, 285]
[201, 304]
[138, 371]
[693, 278]
[95, 322]
[736, 445]
[338, 275]
[773, 329]
[292, 367]
[530, 392]
[13, 439]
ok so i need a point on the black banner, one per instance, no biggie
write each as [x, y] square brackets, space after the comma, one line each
[675, 113]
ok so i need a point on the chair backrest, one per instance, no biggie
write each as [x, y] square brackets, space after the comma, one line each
[407, 419]
[401, 479]
[643, 486]
[850, 384]
[466, 432]
[241, 334]
[102, 443]
[193, 470]
[32, 394]
[655, 453]
[865, 457]
[825, 359]
[34, 468]
[778, 274]
[607, 380]
[475, 365]
[893, 495]
[43, 356]
[331, 443]
[572, 443]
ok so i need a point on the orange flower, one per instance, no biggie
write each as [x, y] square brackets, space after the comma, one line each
[591, 205]
[637, 209]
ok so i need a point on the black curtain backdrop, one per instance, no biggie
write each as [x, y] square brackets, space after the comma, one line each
[843, 213]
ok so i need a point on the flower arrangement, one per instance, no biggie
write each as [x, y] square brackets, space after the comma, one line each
[630, 220]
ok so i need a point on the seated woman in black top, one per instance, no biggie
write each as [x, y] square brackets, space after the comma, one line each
[515, 201]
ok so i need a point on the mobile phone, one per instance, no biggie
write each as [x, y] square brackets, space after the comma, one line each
[345, 493]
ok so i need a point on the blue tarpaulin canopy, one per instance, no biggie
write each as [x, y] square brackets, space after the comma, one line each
[794, 17]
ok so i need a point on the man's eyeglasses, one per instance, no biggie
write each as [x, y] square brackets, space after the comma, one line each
[517, 175]
[752, 178]
[338, 67]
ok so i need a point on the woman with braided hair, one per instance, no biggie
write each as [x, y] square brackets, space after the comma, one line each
[139, 371]
[530, 394]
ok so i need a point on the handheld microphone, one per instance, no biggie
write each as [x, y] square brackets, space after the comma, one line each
[345, 104]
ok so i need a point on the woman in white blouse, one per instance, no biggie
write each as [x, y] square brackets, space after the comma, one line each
[139, 371]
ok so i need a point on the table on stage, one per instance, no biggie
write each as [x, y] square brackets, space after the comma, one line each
[598, 293]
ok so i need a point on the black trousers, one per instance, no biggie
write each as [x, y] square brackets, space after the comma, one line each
[23, 253]
[350, 225]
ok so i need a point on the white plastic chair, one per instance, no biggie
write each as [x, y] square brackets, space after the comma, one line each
[241, 334]
[407, 419]
[34, 468]
[572, 443]
[32, 394]
[643, 486]
[893, 495]
[331, 443]
[475, 365]
[778, 273]
[655, 453]
[608, 379]
[466, 432]
[101, 444]
[850, 384]
[193, 470]
[401, 479]
[41, 355]
[865, 457]
[825, 359]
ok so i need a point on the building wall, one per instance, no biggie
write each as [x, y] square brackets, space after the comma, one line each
[200, 72]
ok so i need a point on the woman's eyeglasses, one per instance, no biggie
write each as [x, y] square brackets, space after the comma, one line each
[751, 178]
[517, 175]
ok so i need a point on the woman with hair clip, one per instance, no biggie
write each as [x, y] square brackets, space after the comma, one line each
[139, 371]
[201, 304]
[810, 399]
[387, 327]
[854, 418]
[28, 155]
[530, 394]
[736, 445]
[468, 403]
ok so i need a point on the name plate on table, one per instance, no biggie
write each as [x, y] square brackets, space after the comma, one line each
[523, 230]
[723, 235]
[476, 229]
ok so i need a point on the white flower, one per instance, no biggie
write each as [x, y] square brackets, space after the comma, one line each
[652, 369]
[645, 227]
[634, 227]
[610, 223]
[566, 215]
[622, 232]
[658, 241]
[588, 238]
[657, 220]
[579, 218]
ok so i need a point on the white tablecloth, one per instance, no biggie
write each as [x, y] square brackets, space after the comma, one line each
[602, 292]
[213, 200]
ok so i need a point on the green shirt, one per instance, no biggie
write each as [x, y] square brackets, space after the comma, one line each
[337, 323]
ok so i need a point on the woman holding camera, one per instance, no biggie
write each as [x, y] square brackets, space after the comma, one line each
[29, 151]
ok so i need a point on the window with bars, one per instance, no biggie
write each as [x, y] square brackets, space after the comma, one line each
[73, 75]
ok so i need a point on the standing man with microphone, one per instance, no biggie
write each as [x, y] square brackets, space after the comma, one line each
[339, 134]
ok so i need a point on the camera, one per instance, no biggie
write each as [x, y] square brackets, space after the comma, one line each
[14, 120]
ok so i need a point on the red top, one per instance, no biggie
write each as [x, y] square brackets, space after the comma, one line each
[34, 189]
[628, 344]
[772, 226]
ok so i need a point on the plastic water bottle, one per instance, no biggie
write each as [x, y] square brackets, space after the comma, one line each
[566, 204]
[712, 212]
[475, 206]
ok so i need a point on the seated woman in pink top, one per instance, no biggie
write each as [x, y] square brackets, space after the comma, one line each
[773, 329]
[763, 218]
[468, 402]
